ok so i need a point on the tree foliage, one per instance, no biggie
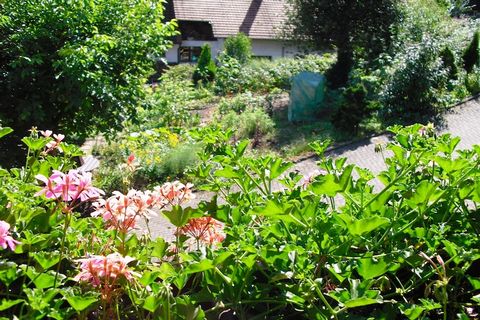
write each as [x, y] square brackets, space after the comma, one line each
[205, 71]
[365, 27]
[87, 58]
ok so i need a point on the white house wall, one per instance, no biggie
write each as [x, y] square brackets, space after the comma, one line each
[265, 48]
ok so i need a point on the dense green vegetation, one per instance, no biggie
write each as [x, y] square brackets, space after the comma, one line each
[327, 246]
[77, 65]
[356, 29]
[267, 243]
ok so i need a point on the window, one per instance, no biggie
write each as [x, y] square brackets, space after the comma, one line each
[189, 54]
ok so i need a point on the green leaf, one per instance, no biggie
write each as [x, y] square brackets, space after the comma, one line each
[8, 272]
[412, 312]
[159, 246]
[365, 225]
[6, 304]
[424, 193]
[278, 167]
[369, 268]
[166, 271]
[326, 185]
[475, 282]
[178, 216]
[45, 279]
[241, 147]
[80, 303]
[4, 131]
[221, 258]
[228, 172]
[46, 259]
[476, 298]
[273, 208]
[361, 302]
[199, 267]
[34, 144]
[151, 303]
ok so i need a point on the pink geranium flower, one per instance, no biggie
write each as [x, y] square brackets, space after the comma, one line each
[104, 269]
[6, 239]
[69, 187]
[174, 193]
[104, 272]
[121, 212]
[205, 229]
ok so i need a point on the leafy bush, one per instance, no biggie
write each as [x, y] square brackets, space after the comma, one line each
[419, 86]
[409, 250]
[265, 75]
[170, 102]
[238, 47]
[401, 252]
[448, 60]
[84, 58]
[241, 102]
[353, 109]
[472, 81]
[252, 123]
[205, 71]
[471, 56]
[150, 149]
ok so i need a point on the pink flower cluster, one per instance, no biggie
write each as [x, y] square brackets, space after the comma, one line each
[104, 270]
[55, 143]
[6, 239]
[205, 229]
[121, 212]
[69, 187]
[174, 193]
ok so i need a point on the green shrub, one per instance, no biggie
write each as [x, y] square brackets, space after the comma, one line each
[205, 71]
[252, 123]
[150, 148]
[177, 161]
[182, 72]
[472, 81]
[84, 58]
[471, 55]
[169, 103]
[353, 109]
[418, 87]
[241, 102]
[238, 47]
[265, 75]
[448, 59]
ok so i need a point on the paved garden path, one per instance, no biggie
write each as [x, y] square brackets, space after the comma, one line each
[462, 121]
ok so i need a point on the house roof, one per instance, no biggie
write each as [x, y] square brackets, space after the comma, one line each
[259, 19]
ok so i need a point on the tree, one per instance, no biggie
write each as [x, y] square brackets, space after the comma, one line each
[362, 26]
[471, 56]
[205, 71]
[77, 65]
[238, 47]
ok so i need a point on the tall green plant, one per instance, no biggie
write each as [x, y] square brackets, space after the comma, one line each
[448, 59]
[239, 47]
[206, 69]
[471, 56]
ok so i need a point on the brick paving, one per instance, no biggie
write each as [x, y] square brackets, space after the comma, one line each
[462, 121]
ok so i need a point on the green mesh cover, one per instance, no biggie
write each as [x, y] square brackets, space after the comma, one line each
[306, 96]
